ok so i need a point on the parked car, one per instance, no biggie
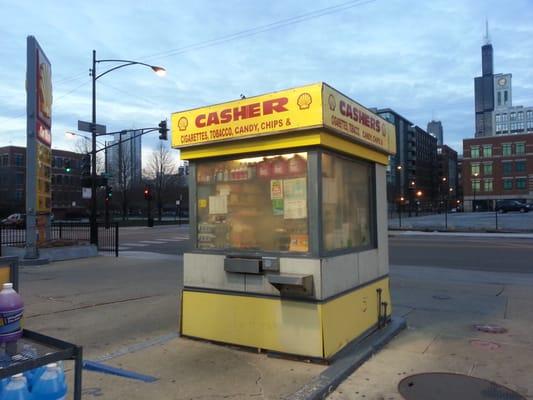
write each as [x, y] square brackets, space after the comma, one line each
[511, 205]
[17, 220]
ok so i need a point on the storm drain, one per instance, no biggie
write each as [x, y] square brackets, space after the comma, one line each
[447, 386]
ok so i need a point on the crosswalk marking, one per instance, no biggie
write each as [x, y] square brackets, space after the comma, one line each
[149, 242]
[134, 244]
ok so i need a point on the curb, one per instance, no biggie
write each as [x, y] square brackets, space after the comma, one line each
[507, 235]
[347, 361]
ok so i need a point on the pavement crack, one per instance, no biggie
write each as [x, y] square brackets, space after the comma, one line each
[91, 306]
[430, 343]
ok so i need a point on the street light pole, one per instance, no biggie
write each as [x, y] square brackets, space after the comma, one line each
[124, 63]
[94, 227]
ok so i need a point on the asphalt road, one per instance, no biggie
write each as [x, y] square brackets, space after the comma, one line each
[162, 239]
[460, 252]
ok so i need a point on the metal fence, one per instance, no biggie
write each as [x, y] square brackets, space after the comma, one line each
[67, 232]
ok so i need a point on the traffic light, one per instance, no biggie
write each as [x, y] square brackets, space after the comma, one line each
[163, 130]
[147, 193]
[67, 166]
[108, 193]
[86, 165]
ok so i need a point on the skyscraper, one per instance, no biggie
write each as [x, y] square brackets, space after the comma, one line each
[125, 163]
[484, 90]
[435, 128]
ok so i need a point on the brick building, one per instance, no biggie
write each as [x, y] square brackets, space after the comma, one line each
[497, 168]
[66, 185]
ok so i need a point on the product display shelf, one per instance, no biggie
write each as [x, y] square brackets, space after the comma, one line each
[48, 349]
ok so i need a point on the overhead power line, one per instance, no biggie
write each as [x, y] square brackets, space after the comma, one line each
[260, 29]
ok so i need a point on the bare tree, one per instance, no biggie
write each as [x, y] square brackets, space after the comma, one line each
[124, 181]
[83, 146]
[160, 170]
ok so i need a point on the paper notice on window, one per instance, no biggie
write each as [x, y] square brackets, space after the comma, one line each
[218, 204]
[294, 209]
[295, 189]
[276, 189]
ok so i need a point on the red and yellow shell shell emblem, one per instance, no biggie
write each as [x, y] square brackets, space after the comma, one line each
[182, 123]
[304, 101]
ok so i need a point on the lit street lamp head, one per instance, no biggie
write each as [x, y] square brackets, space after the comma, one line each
[160, 71]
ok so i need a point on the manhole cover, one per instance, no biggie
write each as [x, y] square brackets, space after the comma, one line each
[490, 328]
[447, 386]
[441, 297]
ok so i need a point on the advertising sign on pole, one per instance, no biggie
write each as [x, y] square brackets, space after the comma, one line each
[38, 147]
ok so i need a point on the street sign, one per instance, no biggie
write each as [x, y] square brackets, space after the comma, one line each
[85, 126]
[86, 193]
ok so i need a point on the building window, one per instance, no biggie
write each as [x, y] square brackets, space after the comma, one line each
[487, 185]
[520, 115]
[506, 149]
[19, 179]
[505, 97]
[520, 166]
[59, 179]
[508, 184]
[520, 148]
[487, 169]
[487, 150]
[474, 169]
[5, 160]
[474, 152]
[513, 116]
[507, 168]
[499, 98]
[520, 183]
[504, 117]
[18, 195]
[476, 185]
[19, 160]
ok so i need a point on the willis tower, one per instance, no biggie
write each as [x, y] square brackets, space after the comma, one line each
[484, 90]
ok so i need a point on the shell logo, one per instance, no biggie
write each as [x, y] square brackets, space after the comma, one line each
[304, 101]
[182, 123]
[331, 102]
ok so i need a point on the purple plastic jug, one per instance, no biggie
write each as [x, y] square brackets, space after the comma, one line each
[11, 310]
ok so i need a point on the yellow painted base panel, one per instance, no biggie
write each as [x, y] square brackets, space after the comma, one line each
[289, 326]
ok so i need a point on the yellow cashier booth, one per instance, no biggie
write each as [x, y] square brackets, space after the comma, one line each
[288, 221]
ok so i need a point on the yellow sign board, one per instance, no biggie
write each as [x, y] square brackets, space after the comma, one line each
[305, 107]
[348, 117]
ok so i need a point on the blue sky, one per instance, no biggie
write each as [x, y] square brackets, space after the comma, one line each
[416, 57]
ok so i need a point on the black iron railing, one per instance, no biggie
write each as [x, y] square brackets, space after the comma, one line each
[69, 232]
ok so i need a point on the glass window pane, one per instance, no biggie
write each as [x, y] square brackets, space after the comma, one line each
[346, 203]
[255, 204]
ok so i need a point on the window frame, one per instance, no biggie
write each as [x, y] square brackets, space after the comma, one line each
[312, 227]
[314, 198]
[507, 146]
[373, 243]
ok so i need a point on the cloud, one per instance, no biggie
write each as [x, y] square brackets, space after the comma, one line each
[417, 58]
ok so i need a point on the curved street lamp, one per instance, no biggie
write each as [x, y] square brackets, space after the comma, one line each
[123, 63]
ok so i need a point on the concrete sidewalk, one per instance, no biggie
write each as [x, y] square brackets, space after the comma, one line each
[134, 328]
[441, 307]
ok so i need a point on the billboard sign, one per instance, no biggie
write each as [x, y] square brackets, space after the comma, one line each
[306, 107]
[38, 148]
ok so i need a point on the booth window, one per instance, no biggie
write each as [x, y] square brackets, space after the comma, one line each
[253, 204]
[347, 210]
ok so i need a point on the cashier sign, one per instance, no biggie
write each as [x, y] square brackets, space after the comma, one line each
[306, 107]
